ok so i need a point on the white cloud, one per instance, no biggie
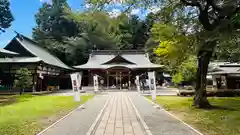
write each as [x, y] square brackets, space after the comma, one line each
[115, 12]
[88, 5]
[135, 11]
[46, 1]
[154, 9]
[118, 1]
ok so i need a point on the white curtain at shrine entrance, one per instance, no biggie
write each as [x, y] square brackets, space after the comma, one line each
[118, 79]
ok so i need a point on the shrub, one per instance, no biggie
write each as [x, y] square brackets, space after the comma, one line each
[218, 93]
[23, 79]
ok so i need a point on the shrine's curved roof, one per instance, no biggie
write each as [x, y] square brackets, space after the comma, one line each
[7, 53]
[132, 60]
[33, 52]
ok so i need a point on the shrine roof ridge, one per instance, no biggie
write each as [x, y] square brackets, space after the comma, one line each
[118, 52]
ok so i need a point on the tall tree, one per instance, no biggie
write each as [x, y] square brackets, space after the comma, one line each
[217, 19]
[51, 22]
[132, 32]
[5, 15]
[54, 28]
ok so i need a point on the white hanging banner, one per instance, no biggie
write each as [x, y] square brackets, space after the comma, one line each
[95, 83]
[152, 84]
[79, 78]
[137, 83]
[75, 86]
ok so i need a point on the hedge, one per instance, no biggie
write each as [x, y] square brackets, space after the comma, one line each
[217, 93]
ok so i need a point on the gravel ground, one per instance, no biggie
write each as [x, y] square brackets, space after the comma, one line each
[80, 120]
[158, 121]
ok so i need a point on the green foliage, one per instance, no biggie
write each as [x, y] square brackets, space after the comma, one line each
[5, 15]
[188, 68]
[54, 29]
[23, 78]
[72, 35]
[51, 22]
[175, 52]
[228, 49]
[132, 32]
[186, 71]
[174, 47]
[177, 78]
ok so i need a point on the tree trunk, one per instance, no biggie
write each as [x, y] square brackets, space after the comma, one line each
[21, 91]
[204, 56]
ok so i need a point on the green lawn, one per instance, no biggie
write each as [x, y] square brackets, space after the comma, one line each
[223, 120]
[29, 114]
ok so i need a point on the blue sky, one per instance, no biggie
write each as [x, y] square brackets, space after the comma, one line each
[24, 12]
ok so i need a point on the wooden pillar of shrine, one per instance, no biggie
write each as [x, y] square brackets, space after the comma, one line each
[34, 81]
[89, 78]
[107, 79]
[116, 79]
[129, 81]
[58, 85]
[120, 79]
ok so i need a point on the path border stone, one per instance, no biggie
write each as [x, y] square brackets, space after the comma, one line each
[158, 107]
[145, 127]
[95, 123]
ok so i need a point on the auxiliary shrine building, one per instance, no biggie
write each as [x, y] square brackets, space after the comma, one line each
[118, 68]
[48, 72]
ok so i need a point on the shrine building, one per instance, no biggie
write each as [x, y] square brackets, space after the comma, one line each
[118, 68]
[48, 71]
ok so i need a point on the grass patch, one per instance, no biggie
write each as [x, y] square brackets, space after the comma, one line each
[29, 114]
[224, 119]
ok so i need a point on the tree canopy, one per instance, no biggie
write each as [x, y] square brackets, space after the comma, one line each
[72, 35]
[6, 16]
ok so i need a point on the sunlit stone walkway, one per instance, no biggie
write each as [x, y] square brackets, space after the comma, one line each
[119, 118]
[119, 113]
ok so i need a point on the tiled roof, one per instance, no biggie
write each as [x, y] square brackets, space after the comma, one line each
[39, 52]
[225, 68]
[20, 60]
[7, 53]
[139, 59]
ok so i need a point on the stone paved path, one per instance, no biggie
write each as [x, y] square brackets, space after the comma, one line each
[79, 122]
[157, 120]
[119, 113]
[119, 118]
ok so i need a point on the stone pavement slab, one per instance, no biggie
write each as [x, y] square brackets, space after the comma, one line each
[158, 121]
[119, 118]
[119, 115]
[80, 120]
